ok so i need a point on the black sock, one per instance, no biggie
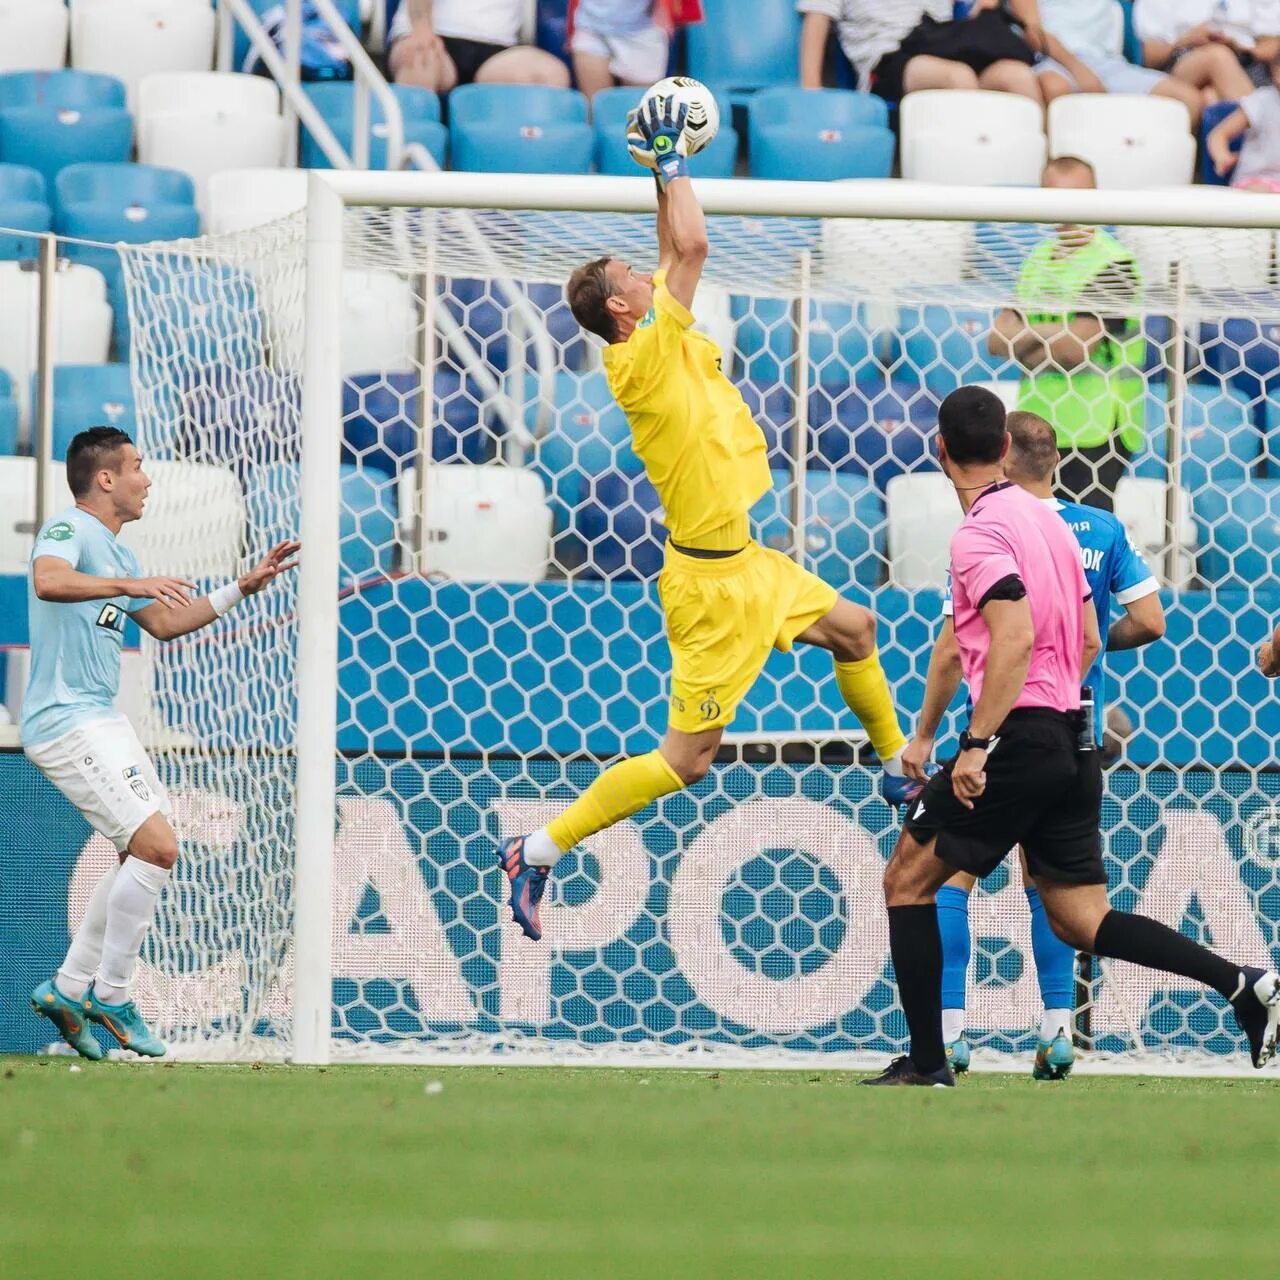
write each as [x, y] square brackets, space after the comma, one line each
[916, 945]
[1123, 936]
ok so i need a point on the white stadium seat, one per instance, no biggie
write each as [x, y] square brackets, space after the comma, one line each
[1212, 257]
[244, 198]
[922, 515]
[715, 317]
[482, 524]
[33, 35]
[205, 122]
[977, 138]
[18, 509]
[130, 39]
[83, 323]
[167, 540]
[1132, 140]
[379, 321]
[1140, 507]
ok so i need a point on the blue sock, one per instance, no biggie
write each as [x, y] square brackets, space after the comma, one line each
[953, 924]
[1055, 961]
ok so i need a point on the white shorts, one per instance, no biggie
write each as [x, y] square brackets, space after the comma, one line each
[1118, 74]
[103, 770]
[639, 57]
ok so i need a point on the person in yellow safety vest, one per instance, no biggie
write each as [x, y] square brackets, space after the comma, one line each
[1076, 336]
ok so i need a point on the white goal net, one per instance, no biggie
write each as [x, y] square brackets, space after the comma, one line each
[499, 637]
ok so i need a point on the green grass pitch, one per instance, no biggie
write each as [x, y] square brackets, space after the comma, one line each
[361, 1172]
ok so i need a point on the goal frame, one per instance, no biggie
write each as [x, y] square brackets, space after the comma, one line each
[331, 193]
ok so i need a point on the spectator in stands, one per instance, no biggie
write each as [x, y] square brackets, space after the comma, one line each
[1222, 47]
[624, 41]
[1086, 55]
[438, 44]
[1269, 656]
[1080, 346]
[900, 46]
[1257, 166]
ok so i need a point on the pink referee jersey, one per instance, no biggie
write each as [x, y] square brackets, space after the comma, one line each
[1007, 531]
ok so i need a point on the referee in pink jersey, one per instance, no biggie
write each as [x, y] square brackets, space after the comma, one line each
[1028, 770]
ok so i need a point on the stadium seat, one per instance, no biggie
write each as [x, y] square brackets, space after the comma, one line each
[620, 524]
[879, 428]
[64, 89]
[379, 321]
[18, 509]
[335, 100]
[922, 515]
[819, 135]
[8, 417]
[1211, 257]
[204, 122]
[519, 129]
[134, 38]
[33, 35]
[89, 395]
[609, 118]
[83, 323]
[973, 137]
[1214, 114]
[23, 207]
[884, 255]
[845, 344]
[235, 417]
[844, 527]
[483, 524]
[1240, 534]
[121, 203]
[1132, 140]
[244, 198]
[553, 307]
[48, 139]
[946, 346]
[999, 249]
[352, 10]
[733, 54]
[1247, 352]
[1140, 507]
[1221, 441]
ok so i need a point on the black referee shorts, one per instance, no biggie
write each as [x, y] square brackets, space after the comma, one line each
[1041, 793]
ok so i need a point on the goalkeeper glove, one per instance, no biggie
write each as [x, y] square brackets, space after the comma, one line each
[661, 124]
[641, 151]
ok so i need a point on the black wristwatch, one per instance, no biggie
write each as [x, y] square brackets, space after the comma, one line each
[969, 743]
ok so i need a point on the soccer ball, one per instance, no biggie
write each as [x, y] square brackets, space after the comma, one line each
[703, 122]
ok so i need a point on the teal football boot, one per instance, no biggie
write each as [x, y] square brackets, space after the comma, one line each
[1054, 1058]
[68, 1017]
[125, 1023]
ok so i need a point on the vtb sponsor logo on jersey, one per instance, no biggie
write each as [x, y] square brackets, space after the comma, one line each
[133, 776]
[111, 616]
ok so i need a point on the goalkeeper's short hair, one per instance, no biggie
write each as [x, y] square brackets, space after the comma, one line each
[589, 293]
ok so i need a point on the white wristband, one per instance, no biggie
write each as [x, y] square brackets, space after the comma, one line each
[225, 598]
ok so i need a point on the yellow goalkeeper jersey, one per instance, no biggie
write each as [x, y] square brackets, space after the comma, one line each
[699, 444]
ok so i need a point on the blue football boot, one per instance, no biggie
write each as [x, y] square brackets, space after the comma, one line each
[67, 1015]
[528, 884]
[1054, 1058]
[125, 1023]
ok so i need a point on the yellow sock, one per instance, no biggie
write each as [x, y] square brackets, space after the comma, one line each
[621, 790]
[866, 693]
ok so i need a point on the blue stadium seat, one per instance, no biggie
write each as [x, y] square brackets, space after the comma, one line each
[1243, 350]
[819, 134]
[48, 139]
[512, 128]
[335, 100]
[771, 404]
[350, 9]
[843, 345]
[620, 524]
[1222, 443]
[946, 347]
[89, 395]
[380, 420]
[609, 116]
[1239, 534]
[367, 522]
[1214, 114]
[23, 207]
[8, 416]
[880, 428]
[564, 330]
[734, 53]
[65, 90]
[845, 529]
[1000, 249]
[233, 417]
[129, 203]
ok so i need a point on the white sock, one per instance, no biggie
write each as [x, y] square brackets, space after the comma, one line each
[1055, 1022]
[77, 970]
[540, 850]
[893, 767]
[952, 1025]
[130, 910]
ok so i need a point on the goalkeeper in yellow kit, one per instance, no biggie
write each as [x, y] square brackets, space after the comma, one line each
[727, 600]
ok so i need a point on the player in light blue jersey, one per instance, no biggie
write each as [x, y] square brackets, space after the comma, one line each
[83, 583]
[1114, 570]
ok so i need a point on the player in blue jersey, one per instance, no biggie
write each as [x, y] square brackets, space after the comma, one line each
[1114, 570]
[82, 584]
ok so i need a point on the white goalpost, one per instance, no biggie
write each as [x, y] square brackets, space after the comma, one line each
[475, 628]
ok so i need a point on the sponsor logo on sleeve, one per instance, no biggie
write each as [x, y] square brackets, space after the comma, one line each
[60, 532]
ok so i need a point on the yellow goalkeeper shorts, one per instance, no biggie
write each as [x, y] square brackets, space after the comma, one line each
[723, 616]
